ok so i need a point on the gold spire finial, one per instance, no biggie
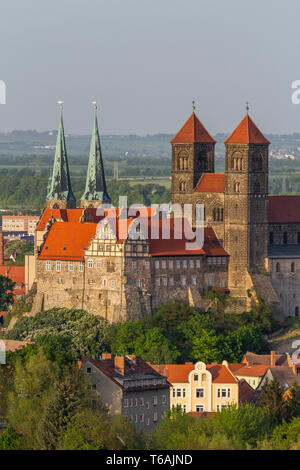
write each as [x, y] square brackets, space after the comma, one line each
[60, 104]
[95, 104]
[193, 106]
[247, 106]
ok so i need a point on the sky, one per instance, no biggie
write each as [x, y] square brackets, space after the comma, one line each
[145, 61]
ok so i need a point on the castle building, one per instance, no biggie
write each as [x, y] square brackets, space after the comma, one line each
[108, 262]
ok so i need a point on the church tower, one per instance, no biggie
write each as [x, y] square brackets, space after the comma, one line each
[60, 194]
[193, 151]
[95, 193]
[246, 189]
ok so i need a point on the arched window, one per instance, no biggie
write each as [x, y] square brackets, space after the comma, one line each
[257, 163]
[285, 238]
[271, 238]
[182, 186]
[297, 312]
[293, 267]
[257, 187]
[237, 187]
[278, 267]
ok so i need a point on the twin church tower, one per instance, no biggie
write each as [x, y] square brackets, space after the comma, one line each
[60, 194]
[235, 202]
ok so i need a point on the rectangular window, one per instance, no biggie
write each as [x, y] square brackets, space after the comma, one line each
[138, 283]
[198, 263]
[58, 266]
[164, 281]
[90, 263]
[184, 263]
[147, 405]
[163, 264]
[174, 392]
[199, 392]
[141, 401]
[171, 281]
[147, 264]
[81, 266]
[71, 266]
[154, 400]
[194, 280]
[178, 264]
[48, 265]
[155, 417]
[113, 283]
[191, 263]
[156, 264]
[178, 392]
[157, 281]
[164, 399]
[183, 393]
[171, 264]
[199, 408]
[133, 264]
[183, 281]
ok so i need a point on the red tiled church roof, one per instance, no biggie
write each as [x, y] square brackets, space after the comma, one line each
[284, 209]
[192, 131]
[211, 183]
[247, 132]
[68, 240]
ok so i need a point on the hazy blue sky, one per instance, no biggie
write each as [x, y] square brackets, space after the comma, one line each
[145, 61]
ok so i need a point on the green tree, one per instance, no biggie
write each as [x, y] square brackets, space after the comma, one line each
[293, 401]
[9, 439]
[272, 400]
[66, 400]
[6, 292]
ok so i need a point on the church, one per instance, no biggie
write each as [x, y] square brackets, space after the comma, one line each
[107, 263]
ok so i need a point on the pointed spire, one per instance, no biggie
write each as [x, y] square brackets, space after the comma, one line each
[247, 132]
[60, 192]
[192, 131]
[95, 189]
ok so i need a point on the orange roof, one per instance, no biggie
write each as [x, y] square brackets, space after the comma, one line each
[247, 133]
[252, 371]
[284, 209]
[179, 373]
[17, 275]
[67, 240]
[211, 183]
[192, 131]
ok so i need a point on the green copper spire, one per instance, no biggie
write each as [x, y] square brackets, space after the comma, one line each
[95, 188]
[60, 184]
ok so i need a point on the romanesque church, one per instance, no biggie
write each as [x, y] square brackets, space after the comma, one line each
[88, 259]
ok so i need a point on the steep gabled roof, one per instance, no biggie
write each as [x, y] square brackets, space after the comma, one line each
[211, 183]
[192, 131]
[246, 132]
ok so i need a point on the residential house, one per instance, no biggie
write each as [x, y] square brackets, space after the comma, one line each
[130, 387]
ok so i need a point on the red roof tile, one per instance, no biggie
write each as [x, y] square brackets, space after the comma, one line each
[67, 240]
[284, 209]
[179, 373]
[17, 275]
[192, 131]
[211, 183]
[247, 133]
[257, 370]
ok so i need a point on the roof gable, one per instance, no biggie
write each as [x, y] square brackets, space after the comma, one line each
[192, 131]
[247, 132]
[211, 183]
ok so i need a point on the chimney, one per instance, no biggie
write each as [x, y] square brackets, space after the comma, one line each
[1, 249]
[106, 356]
[272, 358]
[119, 364]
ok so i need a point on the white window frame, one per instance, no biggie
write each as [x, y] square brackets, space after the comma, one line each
[58, 266]
[48, 265]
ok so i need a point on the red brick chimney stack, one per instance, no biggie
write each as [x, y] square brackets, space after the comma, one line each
[272, 358]
[119, 363]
